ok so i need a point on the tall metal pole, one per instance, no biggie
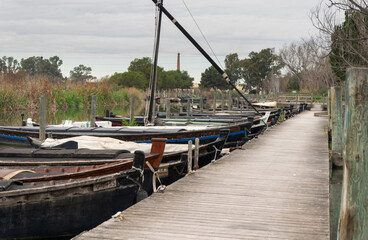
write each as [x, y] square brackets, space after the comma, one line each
[154, 75]
[201, 50]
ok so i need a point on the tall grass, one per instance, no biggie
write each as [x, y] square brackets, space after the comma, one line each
[24, 94]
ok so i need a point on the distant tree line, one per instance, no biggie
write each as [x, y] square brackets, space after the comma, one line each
[139, 76]
[252, 72]
[39, 66]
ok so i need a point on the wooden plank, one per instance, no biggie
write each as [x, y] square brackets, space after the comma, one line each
[275, 187]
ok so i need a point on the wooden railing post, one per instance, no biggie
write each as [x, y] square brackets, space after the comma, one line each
[168, 108]
[353, 216]
[201, 103]
[214, 103]
[337, 126]
[42, 132]
[132, 105]
[190, 154]
[229, 101]
[93, 111]
[196, 154]
[222, 101]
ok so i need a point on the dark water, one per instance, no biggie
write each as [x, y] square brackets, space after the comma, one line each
[80, 114]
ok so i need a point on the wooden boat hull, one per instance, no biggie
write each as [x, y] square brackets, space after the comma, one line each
[64, 210]
[179, 137]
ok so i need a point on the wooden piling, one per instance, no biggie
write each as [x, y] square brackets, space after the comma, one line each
[188, 107]
[336, 126]
[132, 105]
[190, 154]
[196, 154]
[353, 216]
[42, 132]
[214, 102]
[222, 101]
[201, 102]
[329, 127]
[93, 111]
[230, 101]
[168, 108]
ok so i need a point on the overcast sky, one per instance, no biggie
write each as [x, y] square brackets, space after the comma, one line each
[107, 35]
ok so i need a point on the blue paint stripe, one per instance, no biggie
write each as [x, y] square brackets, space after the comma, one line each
[188, 139]
[237, 133]
[14, 138]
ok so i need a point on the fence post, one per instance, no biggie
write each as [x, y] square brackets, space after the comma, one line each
[230, 101]
[93, 111]
[188, 107]
[168, 108]
[214, 103]
[353, 215]
[196, 154]
[201, 102]
[132, 105]
[42, 133]
[190, 154]
[222, 101]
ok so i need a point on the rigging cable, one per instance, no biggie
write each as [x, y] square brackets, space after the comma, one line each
[218, 61]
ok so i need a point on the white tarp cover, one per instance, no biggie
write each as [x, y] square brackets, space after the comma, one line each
[92, 142]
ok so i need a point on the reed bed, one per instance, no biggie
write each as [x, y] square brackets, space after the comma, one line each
[24, 94]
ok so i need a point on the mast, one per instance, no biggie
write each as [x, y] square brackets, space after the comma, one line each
[201, 50]
[154, 74]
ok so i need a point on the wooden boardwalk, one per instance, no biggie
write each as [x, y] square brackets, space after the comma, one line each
[276, 187]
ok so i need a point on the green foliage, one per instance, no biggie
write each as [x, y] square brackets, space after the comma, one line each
[8, 65]
[81, 73]
[348, 47]
[293, 84]
[130, 79]
[212, 79]
[233, 67]
[139, 76]
[120, 96]
[128, 123]
[175, 79]
[40, 66]
[258, 67]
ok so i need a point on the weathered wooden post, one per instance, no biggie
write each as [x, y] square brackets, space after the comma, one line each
[201, 102]
[190, 154]
[188, 107]
[230, 101]
[132, 105]
[222, 101]
[196, 154]
[93, 111]
[337, 126]
[214, 102]
[42, 133]
[353, 216]
[329, 127]
[167, 108]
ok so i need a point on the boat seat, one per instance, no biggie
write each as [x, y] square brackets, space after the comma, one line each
[7, 174]
[7, 184]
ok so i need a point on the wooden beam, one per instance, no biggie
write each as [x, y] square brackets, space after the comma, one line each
[353, 216]
[42, 132]
[336, 126]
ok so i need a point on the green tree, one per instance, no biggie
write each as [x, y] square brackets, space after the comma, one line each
[258, 67]
[293, 84]
[81, 73]
[233, 67]
[40, 66]
[349, 44]
[8, 65]
[212, 79]
[129, 79]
